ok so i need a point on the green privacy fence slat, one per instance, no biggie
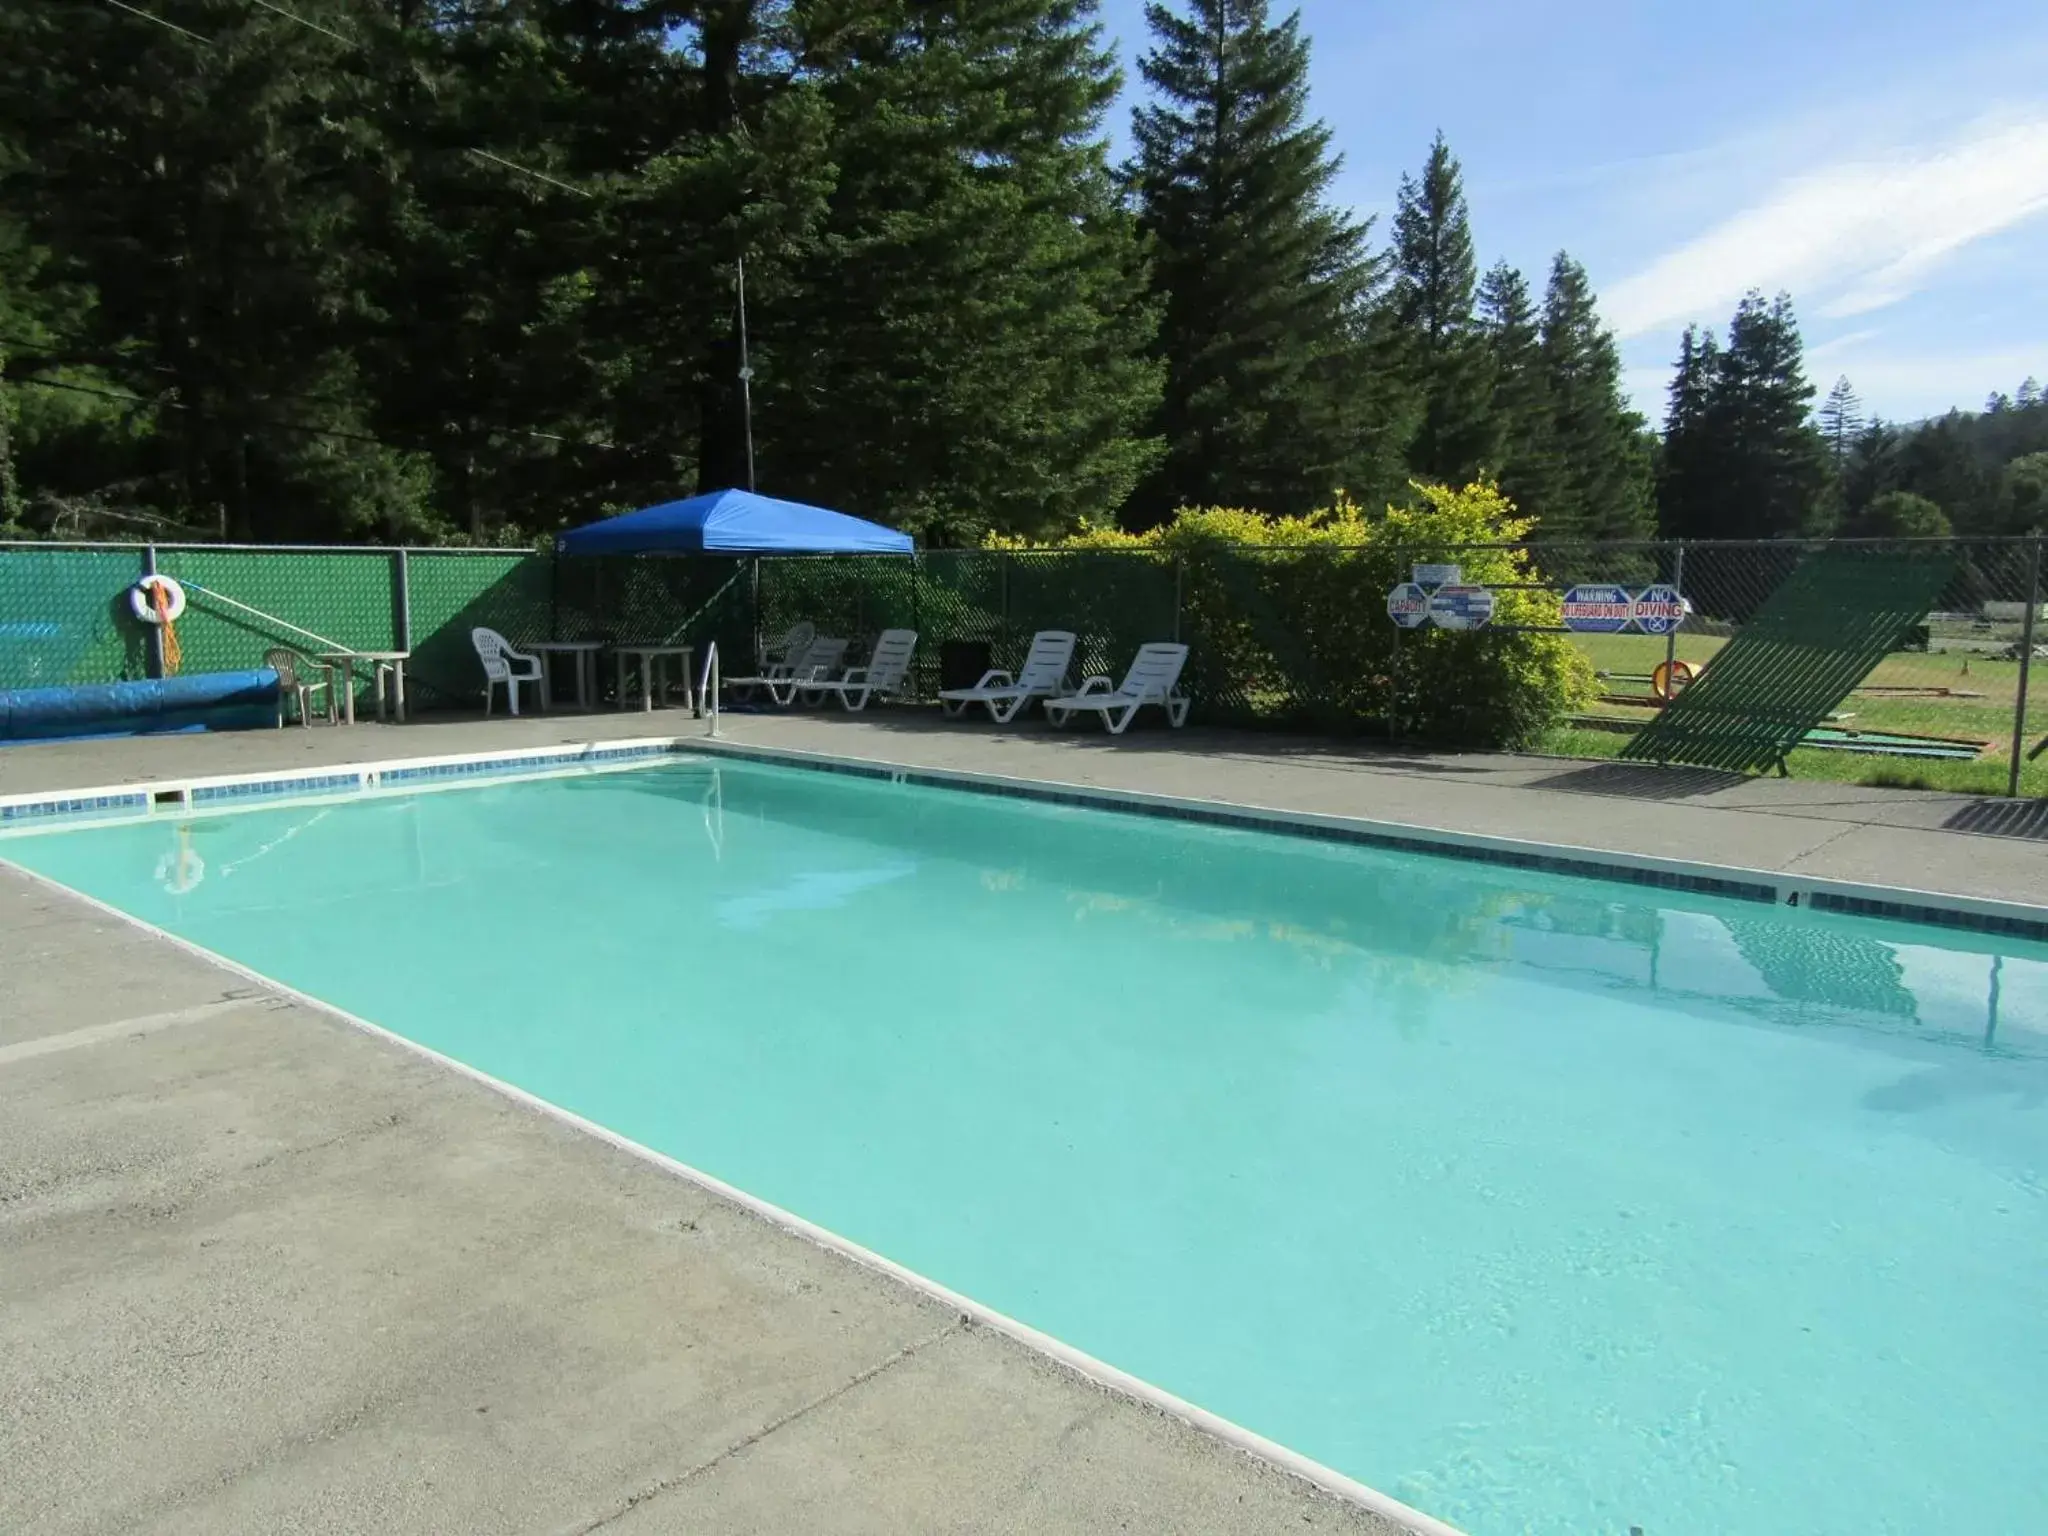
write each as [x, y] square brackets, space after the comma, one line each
[455, 591]
[64, 617]
[1802, 652]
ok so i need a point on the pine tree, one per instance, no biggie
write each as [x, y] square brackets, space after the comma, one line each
[1434, 285]
[1685, 495]
[2030, 393]
[1764, 464]
[1525, 457]
[1841, 420]
[1602, 487]
[965, 347]
[1275, 391]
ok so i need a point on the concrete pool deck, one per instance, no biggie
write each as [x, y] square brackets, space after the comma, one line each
[264, 1271]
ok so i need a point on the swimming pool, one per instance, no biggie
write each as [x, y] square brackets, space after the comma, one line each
[1542, 1204]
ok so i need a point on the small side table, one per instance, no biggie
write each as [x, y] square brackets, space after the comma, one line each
[584, 653]
[653, 660]
[386, 664]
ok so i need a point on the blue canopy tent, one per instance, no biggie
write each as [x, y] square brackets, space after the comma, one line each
[730, 523]
[733, 523]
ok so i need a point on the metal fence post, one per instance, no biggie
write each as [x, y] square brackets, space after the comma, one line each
[1671, 639]
[2019, 711]
[401, 577]
[156, 631]
[1178, 566]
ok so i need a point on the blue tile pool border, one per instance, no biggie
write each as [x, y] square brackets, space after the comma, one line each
[1995, 918]
[73, 806]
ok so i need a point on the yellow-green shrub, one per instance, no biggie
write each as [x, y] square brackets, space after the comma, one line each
[1286, 617]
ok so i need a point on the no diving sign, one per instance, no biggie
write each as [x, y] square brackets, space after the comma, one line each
[1658, 610]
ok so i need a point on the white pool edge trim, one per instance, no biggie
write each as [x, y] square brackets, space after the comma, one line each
[1792, 888]
[173, 797]
[1098, 1372]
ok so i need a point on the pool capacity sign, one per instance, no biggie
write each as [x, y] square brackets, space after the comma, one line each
[1603, 609]
[1438, 595]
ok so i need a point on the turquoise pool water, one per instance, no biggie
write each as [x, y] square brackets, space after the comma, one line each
[1545, 1205]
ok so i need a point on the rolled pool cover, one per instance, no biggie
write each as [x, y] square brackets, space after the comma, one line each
[215, 701]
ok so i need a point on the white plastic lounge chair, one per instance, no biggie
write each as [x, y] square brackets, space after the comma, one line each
[821, 658]
[791, 647]
[1153, 679]
[886, 673]
[1043, 676]
[777, 658]
[498, 657]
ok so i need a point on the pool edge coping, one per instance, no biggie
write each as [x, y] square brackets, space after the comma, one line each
[1098, 1373]
[1950, 911]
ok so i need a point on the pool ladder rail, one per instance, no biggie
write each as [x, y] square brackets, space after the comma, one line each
[707, 690]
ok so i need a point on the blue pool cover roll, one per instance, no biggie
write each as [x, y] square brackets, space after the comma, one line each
[214, 700]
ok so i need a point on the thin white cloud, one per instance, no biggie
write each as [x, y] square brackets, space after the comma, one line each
[1853, 237]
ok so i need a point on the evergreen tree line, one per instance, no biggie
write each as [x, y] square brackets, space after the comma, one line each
[1745, 456]
[471, 270]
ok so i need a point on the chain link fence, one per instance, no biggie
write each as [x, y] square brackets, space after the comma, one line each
[1288, 639]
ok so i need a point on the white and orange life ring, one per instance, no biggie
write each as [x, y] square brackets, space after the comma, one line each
[1670, 678]
[181, 870]
[157, 599]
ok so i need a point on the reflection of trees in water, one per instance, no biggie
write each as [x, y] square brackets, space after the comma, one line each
[1808, 963]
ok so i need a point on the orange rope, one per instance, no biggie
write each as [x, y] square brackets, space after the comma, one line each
[173, 656]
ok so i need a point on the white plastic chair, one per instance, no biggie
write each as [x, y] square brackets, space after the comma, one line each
[1154, 678]
[791, 647]
[820, 659]
[498, 657]
[887, 671]
[776, 660]
[1043, 676]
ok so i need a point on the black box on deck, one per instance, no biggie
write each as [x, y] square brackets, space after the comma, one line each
[962, 663]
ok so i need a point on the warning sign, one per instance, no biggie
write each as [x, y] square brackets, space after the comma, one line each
[1599, 609]
[1461, 607]
[1658, 610]
[1434, 576]
[1408, 606]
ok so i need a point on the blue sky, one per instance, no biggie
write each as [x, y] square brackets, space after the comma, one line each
[1884, 161]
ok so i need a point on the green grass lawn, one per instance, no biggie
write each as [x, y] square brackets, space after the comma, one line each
[1950, 694]
[1985, 776]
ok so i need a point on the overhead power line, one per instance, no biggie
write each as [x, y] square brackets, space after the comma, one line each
[172, 26]
[327, 32]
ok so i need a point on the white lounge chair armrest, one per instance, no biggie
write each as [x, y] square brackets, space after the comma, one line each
[1096, 684]
[853, 675]
[996, 677]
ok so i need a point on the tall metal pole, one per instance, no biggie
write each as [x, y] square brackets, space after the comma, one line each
[746, 375]
[156, 631]
[2019, 709]
[1671, 638]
